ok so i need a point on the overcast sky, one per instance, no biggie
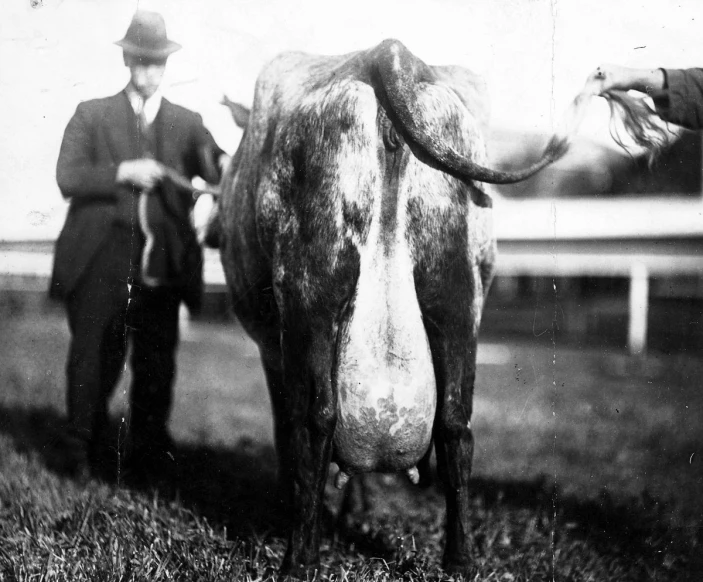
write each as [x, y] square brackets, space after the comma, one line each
[534, 54]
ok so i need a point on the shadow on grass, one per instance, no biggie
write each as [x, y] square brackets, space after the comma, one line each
[235, 488]
[231, 487]
[638, 526]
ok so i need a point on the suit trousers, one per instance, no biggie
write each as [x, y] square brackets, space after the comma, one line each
[109, 310]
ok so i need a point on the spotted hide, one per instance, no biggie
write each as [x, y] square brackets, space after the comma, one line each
[357, 244]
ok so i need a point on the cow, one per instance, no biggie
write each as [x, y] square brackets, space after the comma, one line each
[356, 242]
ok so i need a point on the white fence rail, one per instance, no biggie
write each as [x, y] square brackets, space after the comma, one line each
[633, 238]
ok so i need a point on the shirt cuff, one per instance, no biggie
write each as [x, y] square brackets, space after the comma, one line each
[662, 97]
[680, 103]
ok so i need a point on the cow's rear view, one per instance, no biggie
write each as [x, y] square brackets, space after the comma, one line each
[357, 245]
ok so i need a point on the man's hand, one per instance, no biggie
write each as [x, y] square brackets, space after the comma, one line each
[223, 161]
[616, 78]
[143, 173]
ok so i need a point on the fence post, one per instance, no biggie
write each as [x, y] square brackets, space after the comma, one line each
[638, 309]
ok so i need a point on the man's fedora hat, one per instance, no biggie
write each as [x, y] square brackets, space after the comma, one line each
[146, 37]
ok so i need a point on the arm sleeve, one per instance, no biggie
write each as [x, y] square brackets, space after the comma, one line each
[207, 153]
[78, 173]
[681, 99]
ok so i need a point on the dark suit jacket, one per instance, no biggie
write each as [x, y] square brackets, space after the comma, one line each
[102, 134]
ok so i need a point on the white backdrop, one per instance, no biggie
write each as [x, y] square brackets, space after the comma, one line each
[535, 55]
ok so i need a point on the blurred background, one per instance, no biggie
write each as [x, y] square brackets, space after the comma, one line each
[534, 55]
[580, 230]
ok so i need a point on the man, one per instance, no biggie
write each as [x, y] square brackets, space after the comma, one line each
[128, 255]
[677, 93]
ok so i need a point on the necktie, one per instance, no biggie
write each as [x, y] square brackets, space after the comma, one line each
[144, 131]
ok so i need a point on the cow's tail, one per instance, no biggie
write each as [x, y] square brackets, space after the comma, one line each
[399, 74]
[633, 122]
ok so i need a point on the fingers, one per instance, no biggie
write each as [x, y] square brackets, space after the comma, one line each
[608, 77]
[153, 174]
[143, 173]
[223, 162]
[599, 81]
[150, 173]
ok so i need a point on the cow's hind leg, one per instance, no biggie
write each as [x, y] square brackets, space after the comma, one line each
[272, 361]
[454, 447]
[313, 415]
[453, 342]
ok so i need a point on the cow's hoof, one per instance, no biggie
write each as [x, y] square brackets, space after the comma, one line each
[462, 566]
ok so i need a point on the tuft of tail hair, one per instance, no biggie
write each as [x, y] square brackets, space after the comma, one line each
[640, 122]
[633, 122]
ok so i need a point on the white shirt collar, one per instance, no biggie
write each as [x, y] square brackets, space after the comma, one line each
[151, 105]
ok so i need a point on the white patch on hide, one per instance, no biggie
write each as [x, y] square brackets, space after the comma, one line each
[384, 356]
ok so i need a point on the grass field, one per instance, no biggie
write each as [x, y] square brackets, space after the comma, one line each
[587, 467]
